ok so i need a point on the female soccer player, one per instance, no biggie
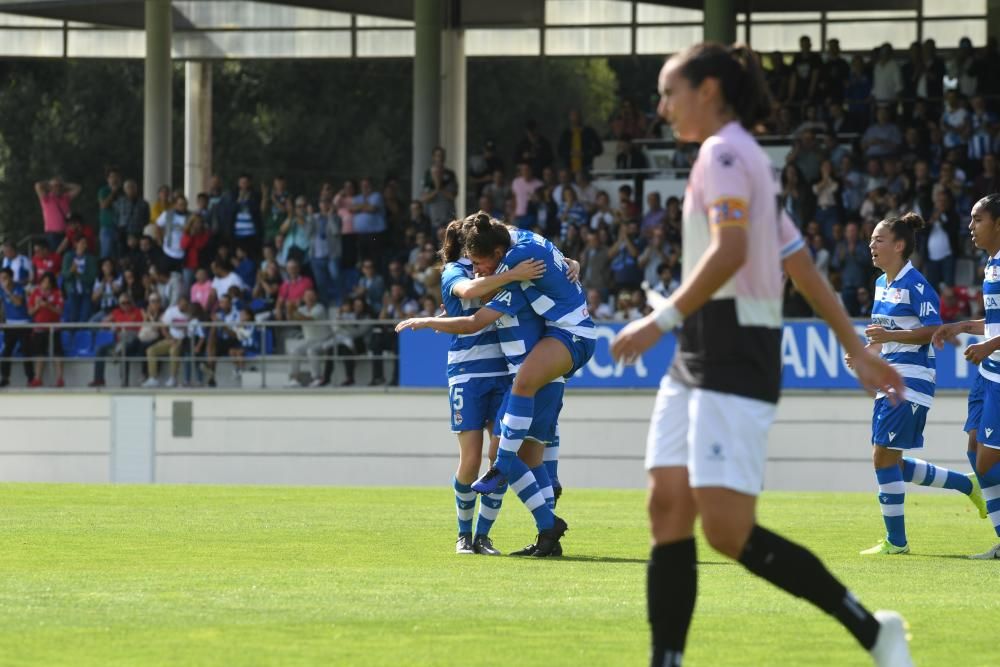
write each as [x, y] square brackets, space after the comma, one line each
[520, 330]
[478, 380]
[706, 449]
[904, 318]
[983, 422]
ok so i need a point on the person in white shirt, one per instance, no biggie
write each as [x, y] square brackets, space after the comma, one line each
[170, 227]
[887, 78]
[175, 323]
[19, 265]
[314, 341]
[225, 278]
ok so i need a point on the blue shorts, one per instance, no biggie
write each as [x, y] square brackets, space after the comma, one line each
[900, 426]
[545, 421]
[984, 412]
[475, 402]
[580, 349]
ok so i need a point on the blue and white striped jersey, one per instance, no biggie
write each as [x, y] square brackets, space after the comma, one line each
[990, 366]
[519, 328]
[560, 302]
[470, 355]
[909, 303]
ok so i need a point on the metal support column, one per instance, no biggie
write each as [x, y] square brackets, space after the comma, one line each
[157, 99]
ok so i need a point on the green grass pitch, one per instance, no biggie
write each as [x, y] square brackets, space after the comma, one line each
[193, 575]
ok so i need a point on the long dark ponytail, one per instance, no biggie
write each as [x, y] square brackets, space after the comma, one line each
[741, 79]
[454, 240]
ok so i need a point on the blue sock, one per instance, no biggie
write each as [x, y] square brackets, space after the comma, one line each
[513, 427]
[541, 474]
[991, 494]
[489, 507]
[551, 458]
[891, 493]
[465, 502]
[524, 484]
[923, 473]
[971, 455]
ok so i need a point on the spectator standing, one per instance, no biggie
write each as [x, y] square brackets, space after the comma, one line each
[655, 216]
[131, 213]
[523, 187]
[603, 215]
[15, 311]
[268, 285]
[44, 261]
[21, 267]
[107, 226]
[579, 144]
[833, 74]
[534, 149]
[794, 196]
[807, 154]
[45, 306]
[75, 230]
[805, 73]
[982, 126]
[56, 200]
[325, 251]
[246, 226]
[369, 219]
[628, 156]
[571, 212]
[104, 296]
[79, 271]
[827, 193]
[295, 230]
[195, 242]
[887, 78]
[439, 197]
[988, 180]
[162, 203]
[201, 289]
[939, 241]
[858, 93]
[482, 168]
[625, 257]
[498, 190]
[275, 207]
[628, 210]
[936, 70]
[656, 253]
[171, 225]
[853, 260]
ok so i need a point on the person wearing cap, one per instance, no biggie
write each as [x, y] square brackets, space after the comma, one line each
[127, 318]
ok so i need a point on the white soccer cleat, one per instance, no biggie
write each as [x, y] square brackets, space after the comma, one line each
[992, 554]
[891, 646]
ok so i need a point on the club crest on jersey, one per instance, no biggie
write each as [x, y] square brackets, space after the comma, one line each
[458, 418]
[992, 273]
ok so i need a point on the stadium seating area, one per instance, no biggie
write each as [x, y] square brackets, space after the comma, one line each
[855, 138]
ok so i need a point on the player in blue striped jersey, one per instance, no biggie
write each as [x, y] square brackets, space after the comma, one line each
[983, 423]
[567, 344]
[478, 381]
[905, 315]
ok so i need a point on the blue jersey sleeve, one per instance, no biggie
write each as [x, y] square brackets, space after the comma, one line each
[452, 276]
[927, 304]
[508, 301]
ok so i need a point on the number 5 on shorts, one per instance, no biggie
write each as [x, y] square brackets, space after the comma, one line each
[456, 398]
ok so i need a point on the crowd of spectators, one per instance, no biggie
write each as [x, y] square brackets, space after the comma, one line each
[870, 137]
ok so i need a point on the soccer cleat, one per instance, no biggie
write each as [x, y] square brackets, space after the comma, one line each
[992, 554]
[892, 644]
[556, 492]
[887, 548]
[463, 545]
[548, 540]
[530, 550]
[483, 545]
[490, 482]
[976, 497]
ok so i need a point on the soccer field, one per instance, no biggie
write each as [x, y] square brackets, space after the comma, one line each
[194, 575]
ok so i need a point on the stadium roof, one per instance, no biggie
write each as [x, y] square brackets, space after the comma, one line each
[470, 13]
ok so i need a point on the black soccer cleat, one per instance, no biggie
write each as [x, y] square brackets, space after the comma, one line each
[530, 551]
[463, 545]
[548, 540]
[483, 546]
[556, 493]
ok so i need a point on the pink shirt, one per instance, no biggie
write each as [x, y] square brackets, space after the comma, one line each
[55, 208]
[522, 190]
[732, 183]
[201, 292]
[294, 290]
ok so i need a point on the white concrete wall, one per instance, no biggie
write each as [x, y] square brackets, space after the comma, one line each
[819, 440]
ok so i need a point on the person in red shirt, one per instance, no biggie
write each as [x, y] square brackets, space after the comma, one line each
[45, 261]
[45, 305]
[129, 319]
[75, 229]
[194, 242]
[292, 290]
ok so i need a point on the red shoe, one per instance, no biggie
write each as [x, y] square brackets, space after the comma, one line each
[96, 383]
[60, 383]
[37, 382]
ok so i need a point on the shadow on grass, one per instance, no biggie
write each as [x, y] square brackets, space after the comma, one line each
[953, 556]
[612, 559]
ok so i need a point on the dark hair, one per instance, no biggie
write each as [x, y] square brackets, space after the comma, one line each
[8, 271]
[741, 79]
[904, 228]
[991, 204]
[51, 277]
[454, 239]
[483, 235]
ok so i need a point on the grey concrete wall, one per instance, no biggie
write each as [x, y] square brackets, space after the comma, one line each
[819, 441]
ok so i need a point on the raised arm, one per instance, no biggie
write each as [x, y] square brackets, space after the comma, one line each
[483, 285]
[453, 325]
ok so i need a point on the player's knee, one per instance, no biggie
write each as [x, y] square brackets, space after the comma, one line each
[723, 538]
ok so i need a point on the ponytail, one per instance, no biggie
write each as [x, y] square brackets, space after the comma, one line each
[483, 235]
[454, 239]
[905, 229]
[741, 79]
